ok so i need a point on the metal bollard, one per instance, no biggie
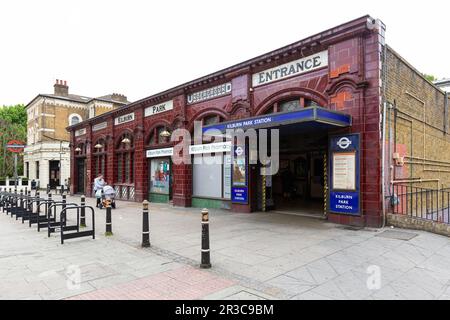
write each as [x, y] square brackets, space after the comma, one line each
[83, 212]
[108, 232]
[64, 201]
[206, 257]
[145, 225]
[38, 195]
[19, 204]
[49, 212]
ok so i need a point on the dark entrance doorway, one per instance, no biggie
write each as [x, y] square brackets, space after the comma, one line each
[81, 173]
[54, 174]
[299, 186]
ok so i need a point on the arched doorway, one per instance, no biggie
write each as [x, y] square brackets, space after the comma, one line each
[299, 186]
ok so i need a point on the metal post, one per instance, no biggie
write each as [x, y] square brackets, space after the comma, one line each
[64, 201]
[20, 204]
[145, 225]
[49, 212]
[15, 170]
[38, 195]
[83, 212]
[206, 258]
[108, 219]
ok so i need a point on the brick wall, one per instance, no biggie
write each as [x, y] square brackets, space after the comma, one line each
[417, 126]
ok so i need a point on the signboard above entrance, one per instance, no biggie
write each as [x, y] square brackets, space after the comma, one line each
[156, 153]
[210, 148]
[290, 69]
[312, 114]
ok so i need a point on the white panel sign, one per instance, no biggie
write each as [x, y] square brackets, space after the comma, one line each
[159, 108]
[291, 69]
[210, 148]
[156, 153]
[344, 171]
[99, 126]
[124, 119]
[80, 132]
[209, 93]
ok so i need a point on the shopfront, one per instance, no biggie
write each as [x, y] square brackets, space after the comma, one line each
[211, 175]
[160, 175]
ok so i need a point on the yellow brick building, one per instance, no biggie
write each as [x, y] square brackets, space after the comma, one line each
[47, 156]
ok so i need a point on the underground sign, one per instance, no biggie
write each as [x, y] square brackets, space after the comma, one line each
[15, 146]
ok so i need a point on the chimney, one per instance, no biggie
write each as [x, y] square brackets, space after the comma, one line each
[61, 88]
[119, 97]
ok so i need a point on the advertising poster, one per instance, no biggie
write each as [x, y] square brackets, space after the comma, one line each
[239, 192]
[160, 176]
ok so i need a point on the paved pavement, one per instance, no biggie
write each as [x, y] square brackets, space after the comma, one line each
[254, 256]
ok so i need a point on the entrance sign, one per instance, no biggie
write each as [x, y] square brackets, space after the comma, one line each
[15, 146]
[156, 153]
[290, 69]
[162, 107]
[344, 158]
[315, 116]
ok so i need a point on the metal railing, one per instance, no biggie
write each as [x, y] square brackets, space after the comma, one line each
[421, 203]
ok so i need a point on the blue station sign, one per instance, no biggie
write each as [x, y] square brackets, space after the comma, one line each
[311, 114]
[344, 175]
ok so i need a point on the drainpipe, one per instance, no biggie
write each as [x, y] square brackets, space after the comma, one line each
[383, 160]
[446, 113]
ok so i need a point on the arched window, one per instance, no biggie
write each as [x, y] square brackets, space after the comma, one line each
[159, 136]
[80, 150]
[125, 158]
[292, 104]
[74, 119]
[99, 157]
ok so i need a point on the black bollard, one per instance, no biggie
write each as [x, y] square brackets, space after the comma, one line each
[38, 195]
[19, 204]
[83, 212]
[49, 211]
[206, 257]
[145, 225]
[108, 232]
[64, 201]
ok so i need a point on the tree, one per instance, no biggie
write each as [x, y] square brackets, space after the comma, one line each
[13, 126]
[430, 77]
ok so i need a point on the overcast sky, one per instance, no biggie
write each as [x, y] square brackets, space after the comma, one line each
[139, 48]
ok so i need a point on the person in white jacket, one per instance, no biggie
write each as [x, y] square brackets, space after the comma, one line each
[99, 183]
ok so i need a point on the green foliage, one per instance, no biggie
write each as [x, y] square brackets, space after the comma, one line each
[13, 126]
[430, 77]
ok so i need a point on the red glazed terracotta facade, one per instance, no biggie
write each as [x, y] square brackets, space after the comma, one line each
[349, 84]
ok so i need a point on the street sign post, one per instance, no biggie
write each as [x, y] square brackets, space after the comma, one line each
[16, 147]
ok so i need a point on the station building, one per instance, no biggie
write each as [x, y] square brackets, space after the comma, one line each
[354, 119]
